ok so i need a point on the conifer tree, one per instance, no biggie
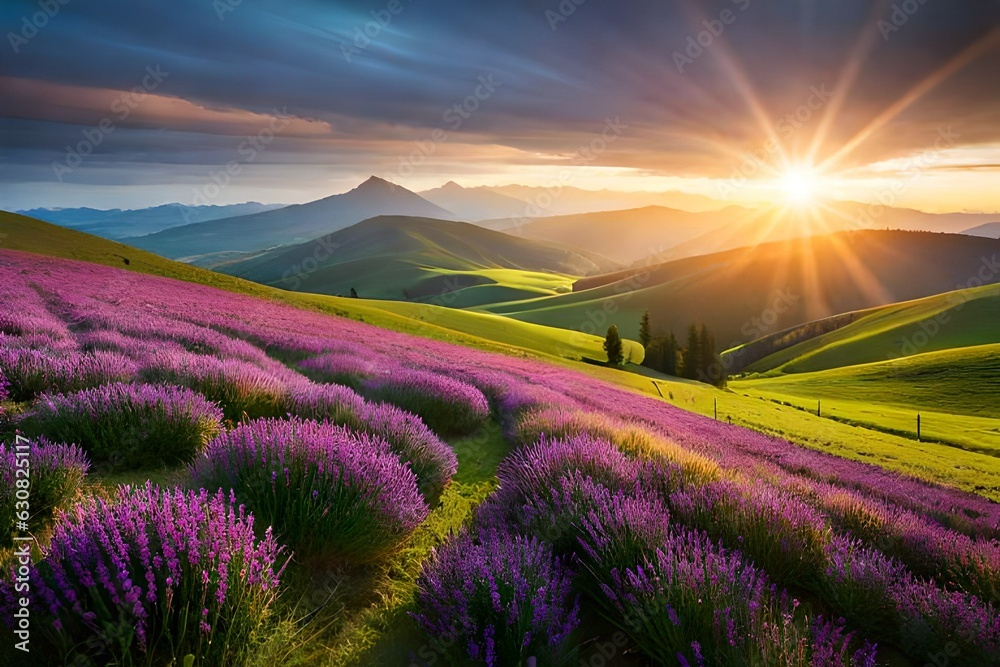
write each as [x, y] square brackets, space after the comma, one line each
[614, 347]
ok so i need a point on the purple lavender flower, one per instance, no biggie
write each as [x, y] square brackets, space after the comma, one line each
[499, 597]
[448, 406]
[329, 493]
[129, 425]
[56, 473]
[122, 577]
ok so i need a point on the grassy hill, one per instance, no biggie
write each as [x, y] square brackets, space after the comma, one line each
[404, 258]
[956, 391]
[208, 243]
[19, 232]
[939, 356]
[749, 292]
[941, 322]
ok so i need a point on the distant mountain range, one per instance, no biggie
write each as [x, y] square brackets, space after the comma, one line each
[473, 204]
[568, 200]
[218, 241]
[630, 235]
[657, 234]
[117, 224]
[411, 258]
[989, 230]
[747, 293]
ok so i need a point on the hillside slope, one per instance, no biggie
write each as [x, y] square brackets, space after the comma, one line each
[747, 293]
[398, 257]
[969, 471]
[989, 230]
[942, 322]
[21, 233]
[209, 243]
[954, 391]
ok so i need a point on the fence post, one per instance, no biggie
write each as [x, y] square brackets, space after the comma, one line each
[918, 427]
[716, 409]
[819, 408]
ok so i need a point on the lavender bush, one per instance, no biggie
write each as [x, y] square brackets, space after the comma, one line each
[779, 532]
[432, 460]
[536, 468]
[30, 372]
[241, 389]
[129, 426]
[330, 494]
[497, 600]
[448, 406]
[345, 368]
[55, 473]
[152, 577]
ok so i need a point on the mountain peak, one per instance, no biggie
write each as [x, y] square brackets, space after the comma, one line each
[452, 185]
[374, 183]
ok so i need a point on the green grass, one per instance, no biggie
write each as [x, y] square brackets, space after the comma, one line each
[400, 257]
[956, 392]
[549, 341]
[952, 320]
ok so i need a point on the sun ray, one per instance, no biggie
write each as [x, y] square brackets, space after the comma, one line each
[740, 81]
[866, 41]
[968, 55]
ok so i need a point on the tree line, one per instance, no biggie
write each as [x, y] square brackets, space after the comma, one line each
[696, 359]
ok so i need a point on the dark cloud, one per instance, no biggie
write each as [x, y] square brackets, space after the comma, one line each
[232, 69]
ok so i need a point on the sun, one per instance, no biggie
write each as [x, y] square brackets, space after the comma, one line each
[800, 186]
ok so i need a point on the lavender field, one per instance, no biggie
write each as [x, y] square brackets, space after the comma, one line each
[283, 445]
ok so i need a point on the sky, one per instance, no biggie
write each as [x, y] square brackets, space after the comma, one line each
[131, 103]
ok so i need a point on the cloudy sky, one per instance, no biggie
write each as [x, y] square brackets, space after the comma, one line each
[126, 103]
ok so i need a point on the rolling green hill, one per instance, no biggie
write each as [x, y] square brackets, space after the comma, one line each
[409, 258]
[955, 391]
[747, 293]
[209, 243]
[964, 318]
[939, 356]
[19, 232]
